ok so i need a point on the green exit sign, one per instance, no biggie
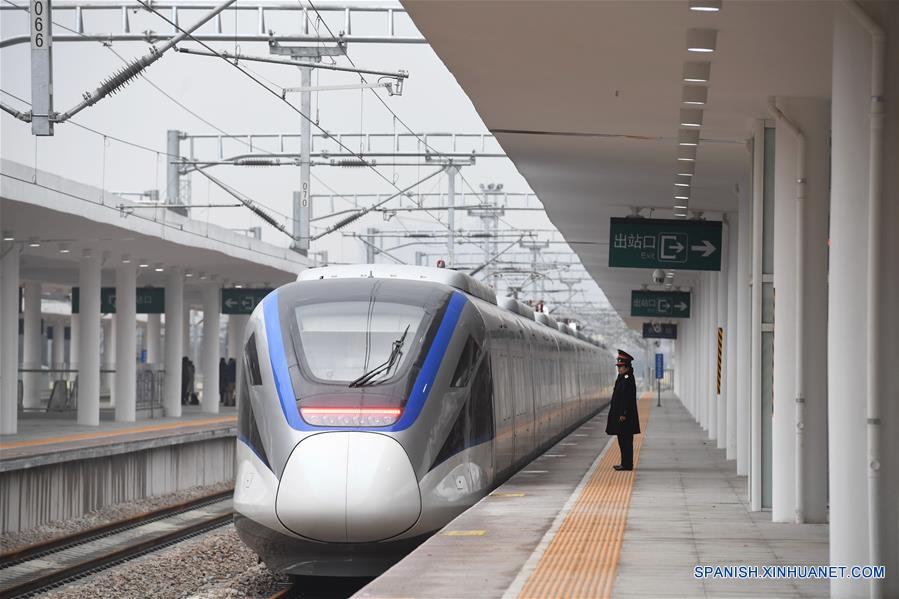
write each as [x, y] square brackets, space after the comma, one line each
[150, 300]
[672, 304]
[242, 301]
[665, 243]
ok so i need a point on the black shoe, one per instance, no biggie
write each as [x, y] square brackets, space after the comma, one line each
[620, 467]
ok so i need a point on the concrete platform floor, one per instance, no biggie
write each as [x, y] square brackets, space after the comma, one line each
[688, 507]
[42, 434]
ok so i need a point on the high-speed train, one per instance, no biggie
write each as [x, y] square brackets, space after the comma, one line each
[376, 403]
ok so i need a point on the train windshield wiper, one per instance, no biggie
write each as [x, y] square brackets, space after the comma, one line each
[382, 369]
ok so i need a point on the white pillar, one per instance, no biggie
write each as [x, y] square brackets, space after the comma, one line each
[108, 363]
[744, 331]
[712, 349]
[89, 339]
[174, 327]
[187, 348]
[236, 325]
[721, 323]
[850, 539]
[730, 335]
[783, 418]
[31, 349]
[126, 343]
[74, 341]
[59, 345]
[154, 338]
[755, 380]
[211, 319]
[9, 338]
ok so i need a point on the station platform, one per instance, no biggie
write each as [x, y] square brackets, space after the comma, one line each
[568, 525]
[45, 439]
[67, 470]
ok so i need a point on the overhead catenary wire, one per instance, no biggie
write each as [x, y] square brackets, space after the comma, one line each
[274, 93]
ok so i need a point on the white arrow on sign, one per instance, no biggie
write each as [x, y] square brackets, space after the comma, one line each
[681, 306]
[230, 302]
[706, 248]
[677, 247]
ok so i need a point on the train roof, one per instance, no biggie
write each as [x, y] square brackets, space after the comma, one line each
[513, 305]
[446, 276]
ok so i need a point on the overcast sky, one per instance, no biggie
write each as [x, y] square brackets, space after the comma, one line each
[432, 101]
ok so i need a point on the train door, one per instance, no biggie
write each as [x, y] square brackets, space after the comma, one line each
[504, 422]
[523, 385]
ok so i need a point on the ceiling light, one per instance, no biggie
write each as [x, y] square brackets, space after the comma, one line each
[143, 263]
[126, 259]
[34, 242]
[691, 117]
[688, 137]
[238, 286]
[695, 95]
[686, 153]
[680, 206]
[64, 248]
[682, 181]
[202, 276]
[669, 274]
[701, 40]
[189, 274]
[697, 72]
[8, 236]
[158, 267]
[705, 5]
[681, 197]
[685, 169]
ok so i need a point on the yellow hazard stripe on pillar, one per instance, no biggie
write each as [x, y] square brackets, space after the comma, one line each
[720, 356]
[582, 558]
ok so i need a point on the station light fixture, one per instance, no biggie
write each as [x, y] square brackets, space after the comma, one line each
[705, 5]
[202, 276]
[126, 259]
[680, 206]
[238, 286]
[189, 274]
[64, 248]
[691, 117]
[8, 236]
[695, 95]
[158, 267]
[143, 263]
[682, 181]
[702, 40]
[688, 137]
[34, 242]
[697, 72]
[686, 154]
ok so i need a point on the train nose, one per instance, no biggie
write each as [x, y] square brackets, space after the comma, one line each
[348, 487]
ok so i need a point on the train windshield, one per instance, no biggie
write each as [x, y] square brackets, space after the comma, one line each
[358, 342]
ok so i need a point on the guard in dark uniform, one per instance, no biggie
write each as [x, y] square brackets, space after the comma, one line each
[623, 419]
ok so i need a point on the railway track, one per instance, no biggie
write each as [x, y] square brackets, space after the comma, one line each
[43, 566]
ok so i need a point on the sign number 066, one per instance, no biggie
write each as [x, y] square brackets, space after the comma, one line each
[39, 39]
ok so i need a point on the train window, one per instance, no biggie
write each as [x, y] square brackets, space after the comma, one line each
[467, 362]
[247, 429]
[341, 342]
[480, 405]
[252, 359]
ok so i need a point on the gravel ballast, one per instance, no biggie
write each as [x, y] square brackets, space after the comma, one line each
[18, 540]
[216, 564]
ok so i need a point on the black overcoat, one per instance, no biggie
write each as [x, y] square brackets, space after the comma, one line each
[624, 403]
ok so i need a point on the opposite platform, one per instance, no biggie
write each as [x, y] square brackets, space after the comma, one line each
[567, 526]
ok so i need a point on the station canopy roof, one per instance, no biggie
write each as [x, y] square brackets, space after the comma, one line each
[585, 98]
[65, 216]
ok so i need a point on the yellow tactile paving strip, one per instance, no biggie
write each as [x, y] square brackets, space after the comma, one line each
[171, 426]
[582, 558]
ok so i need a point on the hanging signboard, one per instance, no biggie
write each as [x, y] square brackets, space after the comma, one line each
[665, 243]
[150, 300]
[659, 330]
[671, 304]
[242, 301]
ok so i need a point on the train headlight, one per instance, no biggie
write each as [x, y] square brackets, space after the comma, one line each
[332, 416]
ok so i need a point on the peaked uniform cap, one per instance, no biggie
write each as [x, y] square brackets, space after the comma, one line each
[624, 358]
